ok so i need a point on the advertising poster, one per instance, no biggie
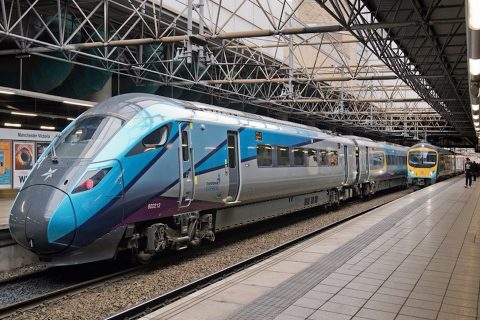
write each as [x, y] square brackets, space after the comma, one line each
[41, 147]
[23, 160]
[5, 164]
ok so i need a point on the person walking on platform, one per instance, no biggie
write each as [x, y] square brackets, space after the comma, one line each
[468, 173]
[474, 170]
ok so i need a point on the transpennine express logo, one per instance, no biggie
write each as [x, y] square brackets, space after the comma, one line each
[48, 174]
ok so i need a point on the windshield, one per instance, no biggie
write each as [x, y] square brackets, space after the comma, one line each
[85, 138]
[422, 159]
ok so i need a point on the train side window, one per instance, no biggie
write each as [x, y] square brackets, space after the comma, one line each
[153, 140]
[298, 157]
[376, 160]
[264, 155]
[156, 139]
[323, 157]
[231, 152]
[312, 158]
[185, 146]
[333, 158]
[283, 158]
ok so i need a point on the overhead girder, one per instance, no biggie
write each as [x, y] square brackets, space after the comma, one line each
[205, 37]
[232, 72]
[399, 58]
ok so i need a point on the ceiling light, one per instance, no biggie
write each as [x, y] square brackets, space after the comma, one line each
[24, 114]
[6, 92]
[70, 119]
[47, 128]
[83, 104]
[475, 107]
[16, 125]
[474, 66]
[475, 116]
[473, 17]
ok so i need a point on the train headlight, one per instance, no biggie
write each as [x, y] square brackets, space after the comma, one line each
[432, 173]
[410, 172]
[91, 179]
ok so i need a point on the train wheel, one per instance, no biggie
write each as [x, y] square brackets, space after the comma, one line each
[144, 258]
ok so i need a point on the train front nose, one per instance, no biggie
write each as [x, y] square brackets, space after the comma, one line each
[42, 219]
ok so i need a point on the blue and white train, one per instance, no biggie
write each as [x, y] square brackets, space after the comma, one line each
[147, 173]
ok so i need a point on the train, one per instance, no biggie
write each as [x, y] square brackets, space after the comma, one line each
[143, 173]
[428, 164]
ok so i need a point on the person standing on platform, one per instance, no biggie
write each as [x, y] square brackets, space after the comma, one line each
[468, 173]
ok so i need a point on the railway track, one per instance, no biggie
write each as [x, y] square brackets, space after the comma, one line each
[33, 289]
[162, 300]
[28, 290]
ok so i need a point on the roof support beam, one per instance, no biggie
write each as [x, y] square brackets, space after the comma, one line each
[315, 79]
[203, 37]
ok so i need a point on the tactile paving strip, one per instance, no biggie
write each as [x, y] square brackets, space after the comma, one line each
[272, 304]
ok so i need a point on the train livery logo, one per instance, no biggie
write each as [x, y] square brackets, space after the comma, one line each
[213, 185]
[48, 174]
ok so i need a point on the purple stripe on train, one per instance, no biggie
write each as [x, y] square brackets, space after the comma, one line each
[161, 207]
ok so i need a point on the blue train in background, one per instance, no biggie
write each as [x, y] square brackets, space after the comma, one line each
[146, 173]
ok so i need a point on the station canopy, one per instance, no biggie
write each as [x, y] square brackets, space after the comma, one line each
[388, 70]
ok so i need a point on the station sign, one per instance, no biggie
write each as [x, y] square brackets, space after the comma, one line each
[27, 135]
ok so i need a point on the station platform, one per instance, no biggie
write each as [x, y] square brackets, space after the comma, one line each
[415, 258]
[5, 205]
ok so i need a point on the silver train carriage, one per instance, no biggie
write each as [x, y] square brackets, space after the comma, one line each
[147, 173]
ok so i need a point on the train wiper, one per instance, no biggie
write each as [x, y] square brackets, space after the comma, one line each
[54, 153]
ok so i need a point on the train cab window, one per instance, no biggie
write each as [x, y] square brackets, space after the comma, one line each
[312, 158]
[422, 159]
[283, 158]
[87, 136]
[264, 156]
[185, 146]
[298, 157]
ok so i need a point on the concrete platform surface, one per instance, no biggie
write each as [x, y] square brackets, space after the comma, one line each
[415, 258]
[5, 205]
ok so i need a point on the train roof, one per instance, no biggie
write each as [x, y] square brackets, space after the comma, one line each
[127, 106]
[372, 143]
[431, 146]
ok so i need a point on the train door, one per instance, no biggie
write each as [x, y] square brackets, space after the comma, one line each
[357, 162]
[367, 159]
[187, 173]
[233, 167]
[345, 157]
